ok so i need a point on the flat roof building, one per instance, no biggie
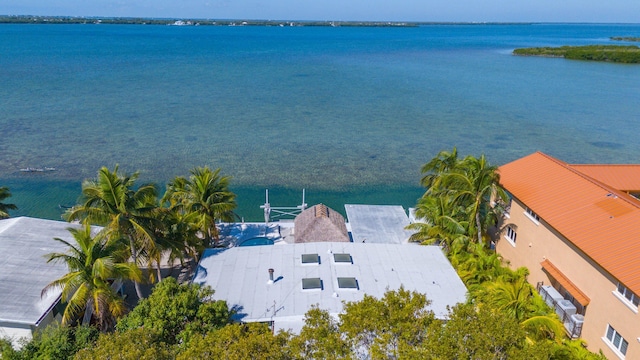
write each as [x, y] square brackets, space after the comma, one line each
[326, 274]
[24, 272]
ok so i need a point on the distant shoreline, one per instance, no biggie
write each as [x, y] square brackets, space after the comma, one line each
[39, 19]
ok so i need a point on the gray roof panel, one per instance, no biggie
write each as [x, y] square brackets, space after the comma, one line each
[378, 223]
[24, 271]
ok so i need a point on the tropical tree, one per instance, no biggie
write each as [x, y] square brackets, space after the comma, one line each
[519, 300]
[239, 342]
[111, 201]
[93, 264]
[440, 223]
[175, 312]
[204, 198]
[4, 208]
[477, 332]
[320, 338]
[473, 184]
[432, 171]
[387, 328]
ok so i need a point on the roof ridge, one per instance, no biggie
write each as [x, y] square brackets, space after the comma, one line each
[620, 194]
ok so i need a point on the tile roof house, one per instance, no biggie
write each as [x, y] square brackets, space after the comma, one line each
[577, 229]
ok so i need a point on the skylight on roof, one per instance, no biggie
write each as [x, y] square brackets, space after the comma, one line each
[342, 258]
[347, 283]
[311, 283]
[310, 259]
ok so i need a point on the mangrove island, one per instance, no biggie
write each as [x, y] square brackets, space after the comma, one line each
[628, 54]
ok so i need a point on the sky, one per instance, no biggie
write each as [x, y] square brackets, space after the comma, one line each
[598, 11]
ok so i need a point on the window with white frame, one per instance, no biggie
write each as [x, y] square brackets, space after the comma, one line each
[628, 295]
[533, 216]
[616, 341]
[510, 234]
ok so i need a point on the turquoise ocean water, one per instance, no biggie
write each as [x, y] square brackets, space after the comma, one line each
[350, 114]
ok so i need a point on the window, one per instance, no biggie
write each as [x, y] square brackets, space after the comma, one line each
[342, 258]
[311, 283]
[616, 342]
[533, 216]
[628, 296]
[310, 259]
[347, 283]
[511, 235]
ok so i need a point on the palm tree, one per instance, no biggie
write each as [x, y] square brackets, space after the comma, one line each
[204, 198]
[93, 262]
[473, 184]
[519, 300]
[110, 201]
[440, 223]
[4, 208]
[444, 162]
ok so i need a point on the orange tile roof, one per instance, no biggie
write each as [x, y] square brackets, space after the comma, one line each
[618, 176]
[601, 221]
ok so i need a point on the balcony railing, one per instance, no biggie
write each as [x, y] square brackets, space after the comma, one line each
[566, 311]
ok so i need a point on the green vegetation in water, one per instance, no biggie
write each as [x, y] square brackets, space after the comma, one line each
[624, 38]
[629, 54]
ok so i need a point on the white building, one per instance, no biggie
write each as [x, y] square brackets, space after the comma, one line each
[24, 272]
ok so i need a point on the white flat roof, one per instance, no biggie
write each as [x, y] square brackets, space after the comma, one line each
[240, 276]
[378, 223]
[24, 271]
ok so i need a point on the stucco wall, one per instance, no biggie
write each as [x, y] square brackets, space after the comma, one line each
[538, 242]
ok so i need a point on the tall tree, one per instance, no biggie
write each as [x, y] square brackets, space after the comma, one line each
[440, 223]
[518, 300]
[4, 208]
[111, 201]
[320, 338]
[387, 328]
[93, 263]
[175, 312]
[204, 198]
[444, 162]
[473, 184]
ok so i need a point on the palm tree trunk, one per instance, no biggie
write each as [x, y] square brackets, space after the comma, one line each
[158, 272]
[134, 255]
[479, 227]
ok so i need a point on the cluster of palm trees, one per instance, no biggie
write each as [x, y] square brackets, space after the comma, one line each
[462, 205]
[463, 200]
[138, 229]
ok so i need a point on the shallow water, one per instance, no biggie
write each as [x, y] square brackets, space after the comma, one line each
[348, 113]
